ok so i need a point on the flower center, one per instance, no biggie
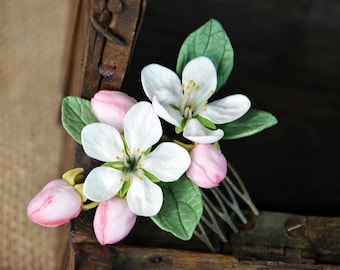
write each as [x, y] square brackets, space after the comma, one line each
[193, 99]
[132, 164]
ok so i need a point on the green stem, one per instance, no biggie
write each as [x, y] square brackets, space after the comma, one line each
[186, 146]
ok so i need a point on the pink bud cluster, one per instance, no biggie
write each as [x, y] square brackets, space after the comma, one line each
[58, 202]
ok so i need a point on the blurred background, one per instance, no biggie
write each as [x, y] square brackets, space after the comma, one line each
[32, 56]
[287, 62]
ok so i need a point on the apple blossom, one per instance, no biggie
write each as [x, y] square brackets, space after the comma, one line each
[208, 166]
[110, 107]
[131, 168]
[113, 221]
[185, 104]
[57, 203]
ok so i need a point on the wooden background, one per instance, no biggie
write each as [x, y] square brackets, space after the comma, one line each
[287, 61]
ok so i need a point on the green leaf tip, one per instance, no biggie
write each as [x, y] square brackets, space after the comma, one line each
[212, 41]
[75, 115]
[254, 121]
[182, 208]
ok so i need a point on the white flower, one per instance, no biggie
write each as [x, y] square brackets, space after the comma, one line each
[130, 161]
[177, 101]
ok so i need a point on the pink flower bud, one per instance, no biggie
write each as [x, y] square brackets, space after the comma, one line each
[113, 221]
[56, 204]
[208, 166]
[110, 107]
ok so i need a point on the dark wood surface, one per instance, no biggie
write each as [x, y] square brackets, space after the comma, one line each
[91, 256]
[287, 64]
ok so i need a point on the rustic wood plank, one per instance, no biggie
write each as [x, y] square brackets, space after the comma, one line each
[289, 238]
[116, 57]
[324, 234]
[92, 256]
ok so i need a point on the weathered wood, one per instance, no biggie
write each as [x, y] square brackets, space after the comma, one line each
[95, 62]
[94, 256]
[324, 234]
[280, 237]
[287, 237]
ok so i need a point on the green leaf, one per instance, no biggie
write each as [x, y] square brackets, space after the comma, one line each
[182, 208]
[254, 121]
[75, 115]
[209, 40]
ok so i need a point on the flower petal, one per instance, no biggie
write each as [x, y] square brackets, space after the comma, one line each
[202, 71]
[102, 183]
[166, 112]
[167, 162]
[144, 197]
[161, 81]
[142, 127]
[113, 221]
[196, 132]
[227, 109]
[101, 141]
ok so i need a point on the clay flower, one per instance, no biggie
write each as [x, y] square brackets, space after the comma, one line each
[131, 168]
[56, 204]
[208, 166]
[110, 107]
[185, 104]
[113, 221]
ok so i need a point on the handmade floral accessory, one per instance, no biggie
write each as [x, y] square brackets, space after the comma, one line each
[170, 178]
